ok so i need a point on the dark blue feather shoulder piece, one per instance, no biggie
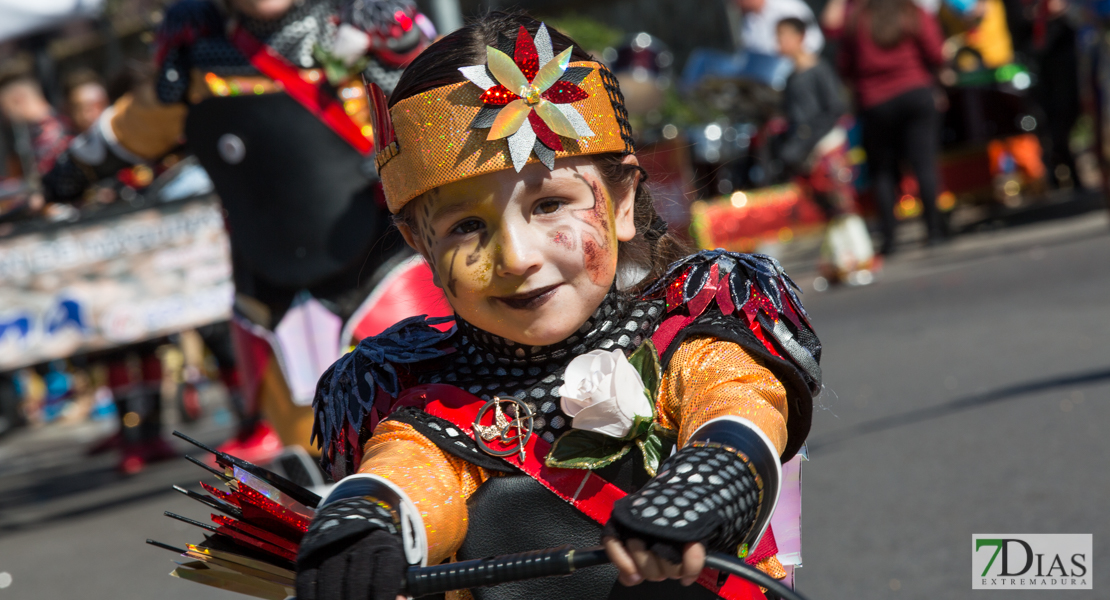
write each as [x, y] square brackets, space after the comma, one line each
[356, 392]
[753, 287]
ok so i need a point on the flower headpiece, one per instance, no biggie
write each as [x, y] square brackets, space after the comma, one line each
[532, 105]
[541, 109]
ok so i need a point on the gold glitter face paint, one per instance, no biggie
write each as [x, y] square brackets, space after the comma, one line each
[526, 256]
[456, 257]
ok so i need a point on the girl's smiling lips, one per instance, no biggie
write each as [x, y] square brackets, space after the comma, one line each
[530, 300]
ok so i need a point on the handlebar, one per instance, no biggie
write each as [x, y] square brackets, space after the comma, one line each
[564, 560]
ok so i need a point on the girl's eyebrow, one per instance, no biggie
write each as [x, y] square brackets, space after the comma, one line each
[446, 209]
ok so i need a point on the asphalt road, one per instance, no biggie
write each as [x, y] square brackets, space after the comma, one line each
[966, 392]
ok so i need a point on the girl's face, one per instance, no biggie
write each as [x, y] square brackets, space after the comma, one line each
[527, 256]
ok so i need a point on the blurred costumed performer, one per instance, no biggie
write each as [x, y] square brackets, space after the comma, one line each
[269, 95]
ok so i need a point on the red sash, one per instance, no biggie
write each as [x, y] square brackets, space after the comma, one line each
[584, 489]
[318, 102]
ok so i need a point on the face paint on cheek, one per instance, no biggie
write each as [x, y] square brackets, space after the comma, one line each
[597, 245]
[597, 259]
[561, 238]
[473, 256]
[597, 215]
[452, 282]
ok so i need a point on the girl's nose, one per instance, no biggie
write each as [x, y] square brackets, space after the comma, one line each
[519, 254]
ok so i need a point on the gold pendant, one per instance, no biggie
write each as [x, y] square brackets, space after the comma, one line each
[513, 434]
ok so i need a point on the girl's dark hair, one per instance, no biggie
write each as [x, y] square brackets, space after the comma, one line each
[653, 248]
[888, 21]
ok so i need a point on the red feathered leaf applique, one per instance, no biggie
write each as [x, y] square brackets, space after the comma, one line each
[526, 56]
[675, 296]
[564, 92]
[700, 302]
[544, 133]
[498, 95]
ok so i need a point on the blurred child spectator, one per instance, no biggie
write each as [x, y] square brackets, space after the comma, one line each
[135, 378]
[22, 103]
[890, 51]
[815, 149]
[760, 17]
[86, 98]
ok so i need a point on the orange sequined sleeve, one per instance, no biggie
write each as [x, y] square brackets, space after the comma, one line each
[709, 378]
[438, 483]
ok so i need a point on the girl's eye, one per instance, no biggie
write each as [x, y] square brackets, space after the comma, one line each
[546, 207]
[467, 226]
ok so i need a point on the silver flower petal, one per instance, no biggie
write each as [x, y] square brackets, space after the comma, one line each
[479, 76]
[543, 45]
[520, 145]
[576, 120]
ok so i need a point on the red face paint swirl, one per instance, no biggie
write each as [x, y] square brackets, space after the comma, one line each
[596, 245]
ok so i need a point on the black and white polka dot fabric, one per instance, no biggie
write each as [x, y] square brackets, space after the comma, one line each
[487, 365]
[346, 519]
[704, 493]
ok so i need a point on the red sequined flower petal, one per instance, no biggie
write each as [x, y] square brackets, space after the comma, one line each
[498, 95]
[565, 92]
[544, 133]
[526, 56]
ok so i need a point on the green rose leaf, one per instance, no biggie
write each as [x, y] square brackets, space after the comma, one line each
[578, 449]
[640, 427]
[646, 361]
[652, 447]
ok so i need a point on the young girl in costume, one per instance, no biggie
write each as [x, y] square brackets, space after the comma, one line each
[597, 383]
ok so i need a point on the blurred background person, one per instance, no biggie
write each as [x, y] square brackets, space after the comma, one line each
[759, 19]
[890, 52]
[24, 106]
[269, 95]
[815, 150]
[1055, 51]
[86, 98]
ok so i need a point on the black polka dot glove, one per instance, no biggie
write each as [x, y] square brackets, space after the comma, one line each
[704, 493]
[352, 551]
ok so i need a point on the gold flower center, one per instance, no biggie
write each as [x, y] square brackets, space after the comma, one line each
[531, 95]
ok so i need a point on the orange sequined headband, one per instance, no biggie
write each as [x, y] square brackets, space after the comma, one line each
[531, 107]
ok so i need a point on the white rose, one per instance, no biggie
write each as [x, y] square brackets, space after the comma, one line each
[350, 44]
[603, 393]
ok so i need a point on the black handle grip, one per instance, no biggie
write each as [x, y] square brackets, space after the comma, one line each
[422, 581]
